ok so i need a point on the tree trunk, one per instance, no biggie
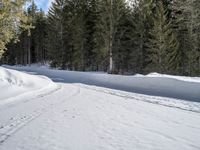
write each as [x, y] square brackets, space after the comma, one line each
[62, 46]
[111, 39]
[29, 51]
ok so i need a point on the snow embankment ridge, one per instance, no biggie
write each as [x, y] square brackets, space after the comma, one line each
[14, 84]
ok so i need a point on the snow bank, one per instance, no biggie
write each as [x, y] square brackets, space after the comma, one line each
[14, 83]
[182, 78]
[186, 88]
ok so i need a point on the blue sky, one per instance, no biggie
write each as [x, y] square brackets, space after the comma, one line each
[44, 4]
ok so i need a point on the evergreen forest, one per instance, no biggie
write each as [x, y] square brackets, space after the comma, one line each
[115, 36]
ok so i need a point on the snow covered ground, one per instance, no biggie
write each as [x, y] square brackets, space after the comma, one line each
[70, 115]
[14, 83]
[186, 88]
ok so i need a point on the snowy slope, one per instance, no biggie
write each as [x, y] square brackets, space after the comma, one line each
[14, 83]
[187, 88]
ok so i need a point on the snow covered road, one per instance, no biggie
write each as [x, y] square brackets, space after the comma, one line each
[80, 117]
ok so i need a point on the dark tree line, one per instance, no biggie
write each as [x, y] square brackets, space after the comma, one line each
[11, 18]
[116, 36]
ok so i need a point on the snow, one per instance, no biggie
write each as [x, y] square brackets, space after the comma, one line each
[185, 88]
[14, 83]
[181, 78]
[77, 116]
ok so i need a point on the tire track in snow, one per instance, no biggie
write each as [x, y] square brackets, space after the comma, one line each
[8, 130]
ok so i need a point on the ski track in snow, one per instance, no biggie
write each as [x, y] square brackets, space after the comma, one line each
[7, 130]
[83, 120]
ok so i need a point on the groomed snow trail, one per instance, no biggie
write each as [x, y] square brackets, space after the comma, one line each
[82, 117]
[77, 118]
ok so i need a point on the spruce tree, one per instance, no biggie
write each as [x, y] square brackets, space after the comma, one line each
[111, 13]
[195, 32]
[162, 42]
[56, 46]
[143, 22]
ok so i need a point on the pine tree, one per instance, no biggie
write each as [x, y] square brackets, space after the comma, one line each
[26, 50]
[78, 34]
[91, 19]
[111, 13]
[56, 46]
[123, 45]
[195, 32]
[162, 42]
[181, 15]
[40, 37]
[143, 22]
[11, 18]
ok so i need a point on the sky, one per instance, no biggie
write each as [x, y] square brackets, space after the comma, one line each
[44, 4]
